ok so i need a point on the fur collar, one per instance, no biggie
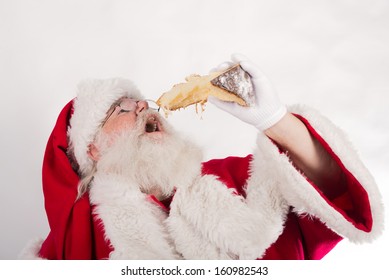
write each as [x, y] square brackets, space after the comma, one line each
[133, 223]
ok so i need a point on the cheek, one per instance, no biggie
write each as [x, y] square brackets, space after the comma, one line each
[119, 124]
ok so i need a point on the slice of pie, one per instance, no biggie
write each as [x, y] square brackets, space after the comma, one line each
[232, 85]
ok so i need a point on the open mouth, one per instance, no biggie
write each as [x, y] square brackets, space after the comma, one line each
[152, 125]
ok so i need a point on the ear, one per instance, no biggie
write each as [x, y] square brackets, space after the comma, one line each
[93, 152]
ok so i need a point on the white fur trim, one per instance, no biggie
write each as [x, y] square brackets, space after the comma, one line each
[190, 242]
[94, 98]
[300, 194]
[31, 251]
[135, 226]
[207, 221]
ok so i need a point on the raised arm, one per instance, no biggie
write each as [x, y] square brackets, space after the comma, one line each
[317, 170]
[307, 154]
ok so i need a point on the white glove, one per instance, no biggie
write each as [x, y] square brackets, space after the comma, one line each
[267, 109]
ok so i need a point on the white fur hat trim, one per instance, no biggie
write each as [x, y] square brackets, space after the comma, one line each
[94, 98]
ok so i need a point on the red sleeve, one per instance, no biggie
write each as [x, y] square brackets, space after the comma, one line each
[304, 236]
[354, 202]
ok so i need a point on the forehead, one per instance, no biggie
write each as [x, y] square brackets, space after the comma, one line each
[126, 100]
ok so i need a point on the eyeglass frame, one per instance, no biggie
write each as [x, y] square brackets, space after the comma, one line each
[119, 102]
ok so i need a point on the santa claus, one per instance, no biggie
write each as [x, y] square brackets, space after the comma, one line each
[121, 183]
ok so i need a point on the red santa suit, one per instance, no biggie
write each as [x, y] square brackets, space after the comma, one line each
[254, 207]
[258, 206]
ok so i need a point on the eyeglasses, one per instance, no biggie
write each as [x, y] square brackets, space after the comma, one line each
[129, 105]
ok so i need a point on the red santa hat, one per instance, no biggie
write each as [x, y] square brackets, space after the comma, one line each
[94, 98]
[74, 234]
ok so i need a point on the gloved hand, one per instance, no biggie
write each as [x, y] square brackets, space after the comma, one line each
[267, 109]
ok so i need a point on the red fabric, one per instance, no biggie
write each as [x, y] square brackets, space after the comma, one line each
[302, 238]
[75, 233]
[232, 173]
[354, 203]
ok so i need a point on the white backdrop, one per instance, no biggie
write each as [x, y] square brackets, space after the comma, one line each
[332, 55]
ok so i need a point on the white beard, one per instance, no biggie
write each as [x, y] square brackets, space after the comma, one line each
[156, 165]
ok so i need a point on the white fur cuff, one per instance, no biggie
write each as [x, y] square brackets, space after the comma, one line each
[300, 194]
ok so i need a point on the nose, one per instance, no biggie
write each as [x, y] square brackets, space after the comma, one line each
[142, 105]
